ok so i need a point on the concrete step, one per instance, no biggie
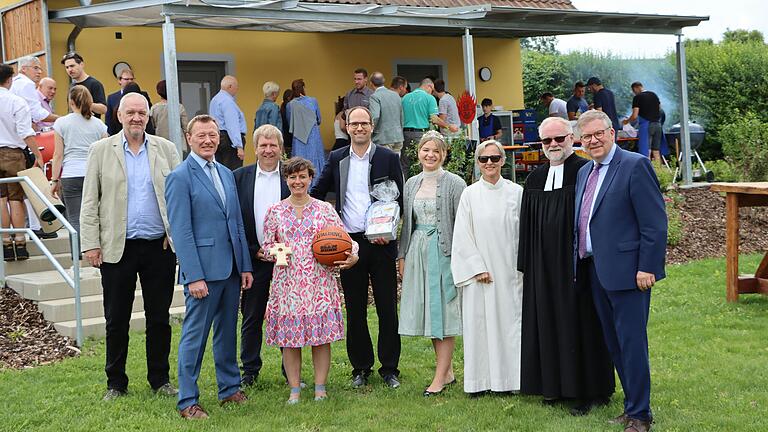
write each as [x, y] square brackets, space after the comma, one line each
[50, 285]
[40, 264]
[95, 327]
[56, 246]
[93, 307]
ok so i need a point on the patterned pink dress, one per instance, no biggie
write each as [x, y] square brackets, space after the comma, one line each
[304, 306]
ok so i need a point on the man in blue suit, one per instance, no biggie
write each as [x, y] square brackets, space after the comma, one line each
[621, 236]
[214, 264]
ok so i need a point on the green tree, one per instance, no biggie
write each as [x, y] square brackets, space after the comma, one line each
[743, 36]
[542, 44]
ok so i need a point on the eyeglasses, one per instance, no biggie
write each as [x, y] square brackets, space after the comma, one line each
[558, 139]
[492, 158]
[355, 125]
[597, 135]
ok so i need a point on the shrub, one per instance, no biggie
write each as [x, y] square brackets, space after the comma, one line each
[665, 175]
[724, 171]
[745, 142]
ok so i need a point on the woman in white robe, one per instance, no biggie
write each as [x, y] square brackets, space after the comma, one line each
[484, 266]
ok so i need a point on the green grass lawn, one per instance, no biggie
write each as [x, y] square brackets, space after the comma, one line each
[709, 363]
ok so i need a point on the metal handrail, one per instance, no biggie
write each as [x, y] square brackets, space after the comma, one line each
[74, 280]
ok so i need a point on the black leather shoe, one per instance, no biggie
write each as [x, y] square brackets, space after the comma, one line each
[391, 381]
[359, 380]
[428, 393]
[44, 235]
[584, 406]
[248, 380]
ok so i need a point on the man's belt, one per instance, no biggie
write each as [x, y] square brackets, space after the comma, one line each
[415, 130]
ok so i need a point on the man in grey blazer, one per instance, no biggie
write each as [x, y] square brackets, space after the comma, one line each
[387, 111]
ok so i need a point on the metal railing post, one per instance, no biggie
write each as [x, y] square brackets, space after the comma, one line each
[74, 280]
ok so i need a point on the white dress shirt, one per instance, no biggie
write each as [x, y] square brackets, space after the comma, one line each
[25, 88]
[266, 192]
[554, 178]
[601, 176]
[358, 197]
[15, 121]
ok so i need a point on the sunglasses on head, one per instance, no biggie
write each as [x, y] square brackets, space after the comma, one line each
[559, 139]
[485, 159]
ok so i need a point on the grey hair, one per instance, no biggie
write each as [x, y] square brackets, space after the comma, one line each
[270, 88]
[131, 96]
[563, 122]
[268, 131]
[426, 81]
[484, 144]
[378, 79]
[28, 61]
[591, 115]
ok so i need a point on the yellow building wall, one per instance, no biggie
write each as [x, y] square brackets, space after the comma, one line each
[325, 61]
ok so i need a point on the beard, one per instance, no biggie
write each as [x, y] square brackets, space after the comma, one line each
[557, 156]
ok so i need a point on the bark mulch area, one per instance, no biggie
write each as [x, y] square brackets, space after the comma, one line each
[26, 339]
[703, 217]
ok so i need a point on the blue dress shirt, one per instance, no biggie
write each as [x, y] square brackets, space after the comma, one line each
[144, 220]
[224, 109]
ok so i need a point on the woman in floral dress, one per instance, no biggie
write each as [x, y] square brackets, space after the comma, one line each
[304, 307]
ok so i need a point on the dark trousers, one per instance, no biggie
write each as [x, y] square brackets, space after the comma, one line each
[375, 263]
[226, 154]
[624, 318]
[156, 268]
[72, 196]
[253, 306]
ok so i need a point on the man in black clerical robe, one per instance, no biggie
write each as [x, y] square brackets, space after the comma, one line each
[564, 356]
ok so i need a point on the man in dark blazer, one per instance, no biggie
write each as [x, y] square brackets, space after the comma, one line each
[259, 186]
[124, 77]
[214, 265]
[620, 247]
[351, 172]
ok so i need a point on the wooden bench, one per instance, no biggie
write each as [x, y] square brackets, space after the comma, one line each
[739, 195]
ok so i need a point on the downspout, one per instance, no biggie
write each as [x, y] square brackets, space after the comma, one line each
[75, 33]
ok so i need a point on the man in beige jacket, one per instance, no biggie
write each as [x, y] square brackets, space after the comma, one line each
[124, 231]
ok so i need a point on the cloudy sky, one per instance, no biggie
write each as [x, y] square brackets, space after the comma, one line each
[723, 14]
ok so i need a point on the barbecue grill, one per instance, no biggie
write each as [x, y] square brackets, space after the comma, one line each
[697, 135]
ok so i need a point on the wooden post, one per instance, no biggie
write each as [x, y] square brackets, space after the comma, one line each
[732, 246]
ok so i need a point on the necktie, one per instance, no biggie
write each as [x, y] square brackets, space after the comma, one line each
[216, 181]
[586, 208]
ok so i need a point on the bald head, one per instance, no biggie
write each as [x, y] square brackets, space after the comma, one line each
[229, 84]
[47, 87]
[132, 98]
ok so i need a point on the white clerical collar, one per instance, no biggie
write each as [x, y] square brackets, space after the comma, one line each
[554, 178]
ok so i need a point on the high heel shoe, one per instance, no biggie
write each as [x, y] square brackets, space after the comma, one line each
[428, 393]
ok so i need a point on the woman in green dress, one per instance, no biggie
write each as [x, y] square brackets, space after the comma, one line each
[430, 305]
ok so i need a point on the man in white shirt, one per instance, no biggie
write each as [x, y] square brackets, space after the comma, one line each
[448, 110]
[15, 134]
[46, 91]
[259, 186]
[25, 86]
[557, 107]
[351, 172]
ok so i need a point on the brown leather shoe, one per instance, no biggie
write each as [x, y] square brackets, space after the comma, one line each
[194, 412]
[237, 397]
[621, 419]
[635, 425]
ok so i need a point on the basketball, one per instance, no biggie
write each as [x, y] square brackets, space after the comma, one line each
[329, 245]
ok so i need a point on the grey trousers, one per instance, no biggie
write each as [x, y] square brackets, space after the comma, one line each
[72, 195]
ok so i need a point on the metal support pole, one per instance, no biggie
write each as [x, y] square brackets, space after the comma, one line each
[469, 79]
[172, 84]
[685, 133]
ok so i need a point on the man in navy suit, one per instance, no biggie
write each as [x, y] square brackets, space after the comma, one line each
[351, 172]
[621, 236]
[259, 186]
[214, 264]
